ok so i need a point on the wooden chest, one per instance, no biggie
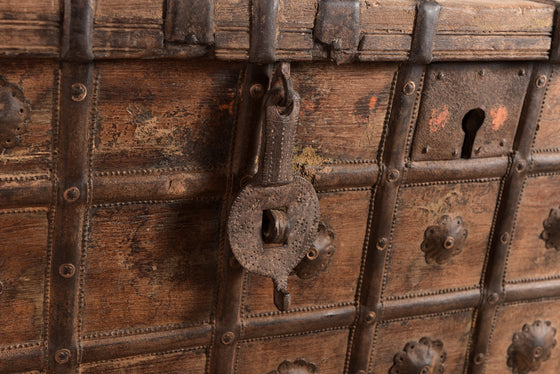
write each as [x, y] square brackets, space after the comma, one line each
[151, 185]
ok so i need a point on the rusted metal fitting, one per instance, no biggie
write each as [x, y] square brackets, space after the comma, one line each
[479, 358]
[62, 356]
[79, 92]
[66, 270]
[493, 298]
[71, 194]
[381, 244]
[409, 88]
[228, 338]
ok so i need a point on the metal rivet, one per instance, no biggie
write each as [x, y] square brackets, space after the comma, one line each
[62, 356]
[522, 72]
[228, 337]
[520, 166]
[79, 92]
[455, 152]
[502, 142]
[409, 88]
[72, 194]
[482, 72]
[479, 358]
[67, 270]
[541, 81]
[370, 317]
[381, 244]
[426, 149]
[440, 75]
[393, 175]
[493, 299]
[504, 238]
[256, 90]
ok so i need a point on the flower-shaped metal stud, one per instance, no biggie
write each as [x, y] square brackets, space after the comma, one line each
[444, 240]
[551, 232]
[423, 357]
[530, 347]
[299, 366]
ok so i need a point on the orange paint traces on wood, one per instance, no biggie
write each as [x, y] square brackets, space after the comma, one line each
[499, 116]
[438, 121]
[372, 103]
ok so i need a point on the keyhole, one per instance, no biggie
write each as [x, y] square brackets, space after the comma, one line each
[471, 123]
[275, 226]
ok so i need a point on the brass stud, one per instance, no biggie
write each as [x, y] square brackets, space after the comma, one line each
[493, 299]
[62, 356]
[72, 194]
[504, 238]
[228, 338]
[370, 317]
[381, 244]
[409, 88]
[479, 358]
[541, 81]
[67, 270]
[79, 92]
[393, 176]
[256, 90]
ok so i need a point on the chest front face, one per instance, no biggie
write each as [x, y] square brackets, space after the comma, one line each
[427, 133]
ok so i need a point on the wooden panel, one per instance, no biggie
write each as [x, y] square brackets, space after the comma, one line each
[386, 29]
[327, 350]
[343, 109]
[155, 114]
[141, 11]
[30, 27]
[150, 265]
[23, 238]
[510, 320]
[346, 213]
[477, 28]
[422, 206]
[39, 81]
[453, 329]
[548, 136]
[232, 21]
[529, 258]
[185, 362]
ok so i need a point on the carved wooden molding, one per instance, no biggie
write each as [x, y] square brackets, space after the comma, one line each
[444, 240]
[531, 346]
[299, 366]
[423, 357]
[551, 232]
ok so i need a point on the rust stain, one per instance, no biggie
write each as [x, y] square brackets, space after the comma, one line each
[499, 116]
[439, 120]
[227, 107]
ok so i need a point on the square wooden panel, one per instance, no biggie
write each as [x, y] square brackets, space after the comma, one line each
[411, 271]
[183, 362]
[548, 136]
[343, 109]
[346, 213]
[510, 320]
[528, 256]
[176, 114]
[39, 81]
[453, 329]
[24, 242]
[150, 265]
[326, 350]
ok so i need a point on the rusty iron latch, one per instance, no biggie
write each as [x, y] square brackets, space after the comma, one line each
[274, 220]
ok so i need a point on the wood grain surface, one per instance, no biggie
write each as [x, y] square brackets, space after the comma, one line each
[23, 265]
[150, 265]
[528, 256]
[408, 273]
